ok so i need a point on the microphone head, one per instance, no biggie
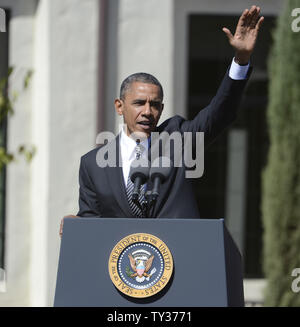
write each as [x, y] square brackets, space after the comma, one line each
[139, 168]
[161, 167]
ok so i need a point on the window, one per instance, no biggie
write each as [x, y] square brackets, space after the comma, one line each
[209, 57]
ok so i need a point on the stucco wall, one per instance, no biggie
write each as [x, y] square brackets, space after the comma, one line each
[58, 40]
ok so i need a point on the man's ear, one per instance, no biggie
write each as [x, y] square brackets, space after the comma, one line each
[119, 106]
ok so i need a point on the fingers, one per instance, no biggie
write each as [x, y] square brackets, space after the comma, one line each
[254, 17]
[256, 21]
[228, 33]
[61, 227]
[243, 18]
[259, 23]
[70, 216]
[248, 17]
[62, 223]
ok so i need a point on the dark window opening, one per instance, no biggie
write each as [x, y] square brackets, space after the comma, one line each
[209, 57]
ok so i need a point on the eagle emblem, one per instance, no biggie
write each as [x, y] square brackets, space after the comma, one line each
[140, 262]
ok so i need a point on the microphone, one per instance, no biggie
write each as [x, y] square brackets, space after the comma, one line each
[139, 174]
[159, 173]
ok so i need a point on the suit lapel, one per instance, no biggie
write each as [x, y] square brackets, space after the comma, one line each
[116, 179]
[152, 155]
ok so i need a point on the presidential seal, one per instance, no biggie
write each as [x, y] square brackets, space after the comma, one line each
[140, 265]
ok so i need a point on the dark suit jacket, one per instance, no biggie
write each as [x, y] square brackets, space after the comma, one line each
[102, 190]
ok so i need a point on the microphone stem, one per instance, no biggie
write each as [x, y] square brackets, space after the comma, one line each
[136, 189]
[155, 191]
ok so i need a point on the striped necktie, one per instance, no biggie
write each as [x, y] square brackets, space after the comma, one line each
[137, 212]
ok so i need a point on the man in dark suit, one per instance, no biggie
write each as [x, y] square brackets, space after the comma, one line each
[103, 190]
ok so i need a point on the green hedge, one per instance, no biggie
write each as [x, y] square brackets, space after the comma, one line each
[281, 177]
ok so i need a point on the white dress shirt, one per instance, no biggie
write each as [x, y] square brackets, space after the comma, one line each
[128, 145]
[237, 71]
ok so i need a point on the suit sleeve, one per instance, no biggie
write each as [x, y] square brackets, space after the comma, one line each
[221, 111]
[88, 201]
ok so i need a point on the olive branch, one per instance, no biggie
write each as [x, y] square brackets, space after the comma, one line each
[129, 273]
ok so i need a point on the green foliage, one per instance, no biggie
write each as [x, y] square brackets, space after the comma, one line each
[281, 177]
[129, 273]
[6, 108]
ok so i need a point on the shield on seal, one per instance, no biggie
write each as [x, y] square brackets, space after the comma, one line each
[140, 268]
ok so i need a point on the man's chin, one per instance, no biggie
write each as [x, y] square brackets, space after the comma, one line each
[140, 135]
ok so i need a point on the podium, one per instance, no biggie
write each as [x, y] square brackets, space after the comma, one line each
[207, 266]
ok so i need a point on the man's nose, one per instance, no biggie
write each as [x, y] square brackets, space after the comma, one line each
[147, 109]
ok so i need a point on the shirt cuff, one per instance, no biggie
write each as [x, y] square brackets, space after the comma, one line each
[237, 71]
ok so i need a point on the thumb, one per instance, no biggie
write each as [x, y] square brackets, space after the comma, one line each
[228, 33]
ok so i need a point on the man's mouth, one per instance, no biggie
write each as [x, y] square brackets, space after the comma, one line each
[145, 124]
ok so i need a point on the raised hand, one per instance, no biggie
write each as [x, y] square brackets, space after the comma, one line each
[244, 39]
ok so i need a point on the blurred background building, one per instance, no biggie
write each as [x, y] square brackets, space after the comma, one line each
[80, 51]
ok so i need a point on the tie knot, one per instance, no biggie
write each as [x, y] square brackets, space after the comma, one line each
[138, 150]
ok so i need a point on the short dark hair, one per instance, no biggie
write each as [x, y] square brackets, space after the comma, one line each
[139, 77]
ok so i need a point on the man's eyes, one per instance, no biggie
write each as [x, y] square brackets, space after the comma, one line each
[156, 105]
[152, 104]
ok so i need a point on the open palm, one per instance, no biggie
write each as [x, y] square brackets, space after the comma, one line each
[244, 38]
